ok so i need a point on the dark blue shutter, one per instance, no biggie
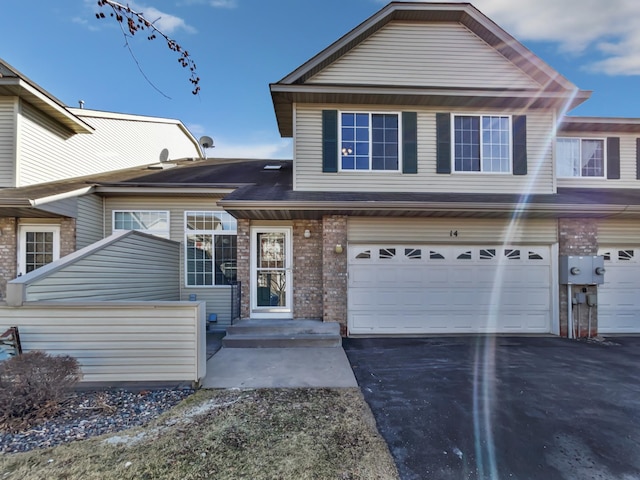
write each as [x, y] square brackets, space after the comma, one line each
[519, 130]
[443, 143]
[409, 142]
[613, 158]
[329, 140]
[637, 158]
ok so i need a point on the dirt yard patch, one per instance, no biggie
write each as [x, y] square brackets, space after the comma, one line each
[229, 434]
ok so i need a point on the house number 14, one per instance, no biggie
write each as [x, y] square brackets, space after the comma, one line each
[453, 233]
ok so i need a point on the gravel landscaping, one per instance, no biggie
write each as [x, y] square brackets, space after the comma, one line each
[88, 414]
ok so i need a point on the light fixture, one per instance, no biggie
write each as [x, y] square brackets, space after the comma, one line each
[347, 151]
[307, 233]
[338, 248]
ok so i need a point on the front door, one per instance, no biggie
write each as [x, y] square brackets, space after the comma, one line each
[38, 245]
[271, 272]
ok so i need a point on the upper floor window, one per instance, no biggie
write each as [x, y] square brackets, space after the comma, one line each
[210, 248]
[580, 157]
[482, 143]
[369, 141]
[152, 222]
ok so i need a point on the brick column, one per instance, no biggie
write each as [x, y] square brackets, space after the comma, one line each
[307, 269]
[8, 252]
[334, 270]
[67, 236]
[243, 264]
[578, 237]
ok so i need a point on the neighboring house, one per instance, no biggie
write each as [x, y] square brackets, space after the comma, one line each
[435, 185]
[42, 141]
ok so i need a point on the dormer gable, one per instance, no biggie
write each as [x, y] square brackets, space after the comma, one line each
[406, 54]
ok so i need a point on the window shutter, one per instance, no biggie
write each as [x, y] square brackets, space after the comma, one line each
[613, 158]
[329, 140]
[519, 145]
[443, 143]
[409, 142]
[637, 158]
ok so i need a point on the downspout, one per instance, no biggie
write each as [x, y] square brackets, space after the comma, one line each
[569, 313]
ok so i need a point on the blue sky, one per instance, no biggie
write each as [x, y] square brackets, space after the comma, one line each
[240, 46]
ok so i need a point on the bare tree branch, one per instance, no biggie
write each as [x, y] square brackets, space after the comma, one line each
[137, 22]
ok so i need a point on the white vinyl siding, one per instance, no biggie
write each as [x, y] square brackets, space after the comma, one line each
[135, 267]
[426, 55]
[48, 152]
[308, 175]
[451, 230]
[118, 342]
[8, 108]
[627, 164]
[89, 222]
[218, 298]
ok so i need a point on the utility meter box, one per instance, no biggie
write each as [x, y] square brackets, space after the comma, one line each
[576, 270]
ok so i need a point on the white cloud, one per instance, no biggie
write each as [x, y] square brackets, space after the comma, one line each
[281, 149]
[578, 26]
[224, 3]
[165, 22]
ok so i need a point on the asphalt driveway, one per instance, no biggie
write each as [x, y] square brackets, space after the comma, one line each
[504, 408]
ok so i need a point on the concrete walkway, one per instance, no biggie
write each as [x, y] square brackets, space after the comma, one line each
[322, 367]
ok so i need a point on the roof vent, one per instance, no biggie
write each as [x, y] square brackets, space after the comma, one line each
[272, 167]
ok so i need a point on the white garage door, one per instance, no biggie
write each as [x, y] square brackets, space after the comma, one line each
[618, 297]
[424, 289]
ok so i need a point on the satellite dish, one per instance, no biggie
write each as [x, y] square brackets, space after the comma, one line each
[206, 142]
[164, 155]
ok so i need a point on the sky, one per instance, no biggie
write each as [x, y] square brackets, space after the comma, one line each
[241, 46]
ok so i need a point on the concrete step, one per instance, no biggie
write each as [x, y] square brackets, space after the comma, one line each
[282, 334]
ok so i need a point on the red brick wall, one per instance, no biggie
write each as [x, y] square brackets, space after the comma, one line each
[8, 253]
[578, 237]
[334, 274]
[307, 270]
[243, 261]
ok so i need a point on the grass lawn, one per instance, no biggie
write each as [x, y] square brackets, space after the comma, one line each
[229, 434]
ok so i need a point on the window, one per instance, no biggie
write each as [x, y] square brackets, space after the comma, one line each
[580, 157]
[210, 248]
[369, 141]
[152, 222]
[482, 143]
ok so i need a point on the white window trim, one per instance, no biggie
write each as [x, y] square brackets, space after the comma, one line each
[165, 234]
[23, 228]
[453, 143]
[581, 177]
[369, 170]
[211, 232]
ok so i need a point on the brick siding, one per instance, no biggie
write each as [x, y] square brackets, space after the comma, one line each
[8, 252]
[307, 270]
[334, 274]
[578, 237]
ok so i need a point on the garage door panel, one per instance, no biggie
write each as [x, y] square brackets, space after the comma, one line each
[449, 290]
[619, 296]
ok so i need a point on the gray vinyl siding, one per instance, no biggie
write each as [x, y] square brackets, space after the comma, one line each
[427, 55]
[90, 220]
[308, 175]
[462, 231]
[67, 207]
[8, 106]
[618, 232]
[48, 152]
[218, 298]
[627, 164]
[117, 342]
[136, 267]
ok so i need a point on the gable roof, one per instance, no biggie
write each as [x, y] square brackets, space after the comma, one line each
[554, 88]
[14, 83]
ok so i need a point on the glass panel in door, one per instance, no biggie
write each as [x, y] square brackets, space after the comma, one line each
[271, 269]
